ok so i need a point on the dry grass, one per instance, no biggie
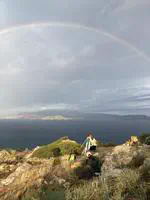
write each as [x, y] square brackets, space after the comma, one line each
[89, 190]
[128, 185]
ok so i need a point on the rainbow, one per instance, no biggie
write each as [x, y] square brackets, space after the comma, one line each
[138, 52]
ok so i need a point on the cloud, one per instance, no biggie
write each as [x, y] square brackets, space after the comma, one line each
[87, 51]
[134, 4]
[3, 13]
[13, 68]
[58, 67]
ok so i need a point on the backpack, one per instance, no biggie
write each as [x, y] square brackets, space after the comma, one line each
[93, 142]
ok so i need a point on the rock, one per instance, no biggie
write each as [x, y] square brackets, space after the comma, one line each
[122, 156]
[38, 161]
[29, 154]
[33, 172]
[145, 168]
[22, 171]
[146, 146]
[60, 181]
[60, 171]
[111, 174]
[4, 168]
[27, 173]
[25, 168]
[6, 157]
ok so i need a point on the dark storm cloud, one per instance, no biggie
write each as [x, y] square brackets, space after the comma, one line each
[61, 67]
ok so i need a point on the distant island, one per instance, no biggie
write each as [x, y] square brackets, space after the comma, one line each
[56, 117]
[33, 117]
[71, 115]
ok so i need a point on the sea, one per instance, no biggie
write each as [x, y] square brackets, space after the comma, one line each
[21, 134]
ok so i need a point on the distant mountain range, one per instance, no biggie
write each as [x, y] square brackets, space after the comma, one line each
[71, 115]
[76, 115]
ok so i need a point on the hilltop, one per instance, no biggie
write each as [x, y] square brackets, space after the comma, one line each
[116, 172]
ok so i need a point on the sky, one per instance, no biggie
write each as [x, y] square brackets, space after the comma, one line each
[87, 55]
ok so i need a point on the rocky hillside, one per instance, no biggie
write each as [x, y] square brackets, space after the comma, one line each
[121, 172]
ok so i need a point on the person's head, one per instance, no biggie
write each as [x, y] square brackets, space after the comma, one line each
[89, 134]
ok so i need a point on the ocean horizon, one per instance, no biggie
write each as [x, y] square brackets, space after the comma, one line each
[20, 134]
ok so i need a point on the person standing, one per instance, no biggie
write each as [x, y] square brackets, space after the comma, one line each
[89, 143]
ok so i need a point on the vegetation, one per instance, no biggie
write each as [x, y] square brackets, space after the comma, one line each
[144, 138]
[100, 144]
[137, 160]
[128, 185]
[131, 183]
[44, 193]
[120, 173]
[56, 152]
[147, 140]
[109, 145]
[65, 146]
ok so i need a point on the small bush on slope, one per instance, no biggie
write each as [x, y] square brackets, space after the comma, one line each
[44, 193]
[142, 138]
[147, 140]
[66, 146]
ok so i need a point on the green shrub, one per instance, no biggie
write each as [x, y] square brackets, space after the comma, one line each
[88, 167]
[66, 147]
[95, 164]
[44, 193]
[147, 140]
[83, 172]
[56, 152]
[142, 138]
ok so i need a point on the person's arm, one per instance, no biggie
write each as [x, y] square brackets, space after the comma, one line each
[84, 142]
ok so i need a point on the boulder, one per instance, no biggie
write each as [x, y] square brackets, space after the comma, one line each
[29, 154]
[145, 169]
[33, 172]
[121, 157]
[6, 169]
[24, 177]
[6, 157]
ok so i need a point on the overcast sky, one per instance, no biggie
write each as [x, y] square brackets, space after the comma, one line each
[89, 55]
